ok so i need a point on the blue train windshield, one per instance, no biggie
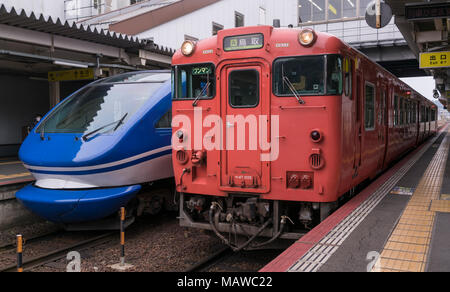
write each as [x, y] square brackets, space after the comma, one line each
[99, 108]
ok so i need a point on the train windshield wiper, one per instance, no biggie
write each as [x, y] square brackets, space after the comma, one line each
[207, 85]
[293, 90]
[119, 123]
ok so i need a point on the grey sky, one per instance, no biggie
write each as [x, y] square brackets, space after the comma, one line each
[424, 85]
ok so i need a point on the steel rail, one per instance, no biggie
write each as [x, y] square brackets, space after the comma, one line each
[60, 253]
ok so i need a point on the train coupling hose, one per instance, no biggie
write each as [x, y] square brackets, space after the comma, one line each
[185, 171]
[284, 220]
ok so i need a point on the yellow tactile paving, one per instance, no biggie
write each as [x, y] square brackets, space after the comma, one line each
[16, 175]
[440, 206]
[413, 233]
[416, 228]
[407, 248]
[10, 162]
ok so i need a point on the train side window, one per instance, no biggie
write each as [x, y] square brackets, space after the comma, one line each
[369, 107]
[402, 112]
[395, 110]
[165, 122]
[348, 75]
[408, 112]
[244, 88]
[433, 115]
[414, 113]
[381, 114]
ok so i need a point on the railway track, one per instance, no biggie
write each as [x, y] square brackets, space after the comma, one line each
[61, 253]
[211, 260]
[12, 246]
[225, 260]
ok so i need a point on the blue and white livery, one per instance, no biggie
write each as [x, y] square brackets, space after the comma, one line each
[93, 152]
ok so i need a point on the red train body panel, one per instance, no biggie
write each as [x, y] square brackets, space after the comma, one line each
[341, 131]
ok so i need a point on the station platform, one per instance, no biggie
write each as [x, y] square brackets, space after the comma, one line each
[399, 223]
[12, 171]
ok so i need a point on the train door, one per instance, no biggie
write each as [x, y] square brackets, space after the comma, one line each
[382, 123]
[245, 102]
[358, 121]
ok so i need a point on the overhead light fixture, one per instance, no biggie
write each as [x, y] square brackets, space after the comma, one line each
[317, 6]
[70, 64]
[351, 3]
[38, 78]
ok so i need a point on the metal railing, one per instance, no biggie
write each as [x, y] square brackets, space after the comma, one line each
[358, 33]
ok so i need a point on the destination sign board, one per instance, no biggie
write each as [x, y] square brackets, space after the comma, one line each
[243, 42]
[429, 10]
[434, 60]
[71, 75]
[201, 70]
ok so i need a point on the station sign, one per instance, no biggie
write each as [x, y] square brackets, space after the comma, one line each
[72, 75]
[428, 10]
[434, 60]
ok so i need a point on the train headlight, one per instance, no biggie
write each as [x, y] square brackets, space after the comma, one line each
[307, 37]
[180, 135]
[188, 48]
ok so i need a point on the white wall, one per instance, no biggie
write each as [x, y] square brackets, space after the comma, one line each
[53, 8]
[198, 24]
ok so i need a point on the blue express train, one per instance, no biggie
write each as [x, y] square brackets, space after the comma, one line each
[94, 151]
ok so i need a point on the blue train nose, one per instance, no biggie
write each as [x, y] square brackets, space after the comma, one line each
[73, 206]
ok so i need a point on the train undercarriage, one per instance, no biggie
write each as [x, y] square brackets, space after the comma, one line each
[248, 216]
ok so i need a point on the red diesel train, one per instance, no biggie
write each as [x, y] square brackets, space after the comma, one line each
[273, 126]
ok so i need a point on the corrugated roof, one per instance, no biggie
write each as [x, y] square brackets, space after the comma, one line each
[28, 20]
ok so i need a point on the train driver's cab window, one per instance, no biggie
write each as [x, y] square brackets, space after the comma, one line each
[165, 122]
[305, 76]
[334, 75]
[369, 107]
[244, 88]
[194, 81]
[299, 76]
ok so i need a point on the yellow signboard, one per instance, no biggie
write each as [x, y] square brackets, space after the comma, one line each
[434, 60]
[71, 75]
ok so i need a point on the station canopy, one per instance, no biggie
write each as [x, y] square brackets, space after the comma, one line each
[38, 44]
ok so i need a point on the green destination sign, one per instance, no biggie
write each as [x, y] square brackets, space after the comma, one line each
[201, 70]
[243, 42]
